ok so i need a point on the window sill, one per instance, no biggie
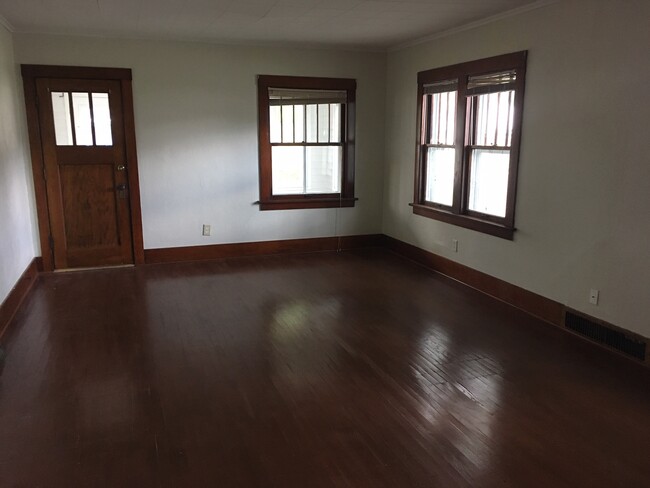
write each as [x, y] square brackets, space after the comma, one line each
[465, 221]
[306, 202]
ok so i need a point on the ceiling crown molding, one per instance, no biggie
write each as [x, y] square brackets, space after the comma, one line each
[474, 25]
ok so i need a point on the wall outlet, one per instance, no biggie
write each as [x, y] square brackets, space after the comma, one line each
[454, 245]
[206, 230]
[593, 296]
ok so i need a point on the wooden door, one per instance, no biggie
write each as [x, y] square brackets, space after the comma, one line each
[85, 171]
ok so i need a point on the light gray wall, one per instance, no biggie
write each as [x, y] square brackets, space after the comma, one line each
[17, 216]
[583, 201]
[196, 128]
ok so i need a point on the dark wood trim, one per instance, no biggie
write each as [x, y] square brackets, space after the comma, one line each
[541, 307]
[78, 72]
[306, 202]
[132, 171]
[11, 304]
[465, 221]
[459, 213]
[38, 168]
[284, 202]
[220, 251]
[31, 73]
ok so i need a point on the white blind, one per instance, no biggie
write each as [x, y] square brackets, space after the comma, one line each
[440, 87]
[285, 96]
[494, 82]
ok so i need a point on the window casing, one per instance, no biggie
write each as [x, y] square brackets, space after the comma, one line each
[467, 152]
[306, 142]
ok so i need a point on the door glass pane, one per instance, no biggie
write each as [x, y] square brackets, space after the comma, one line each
[323, 169]
[82, 126]
[489, 181]
[102, 118]
[288, 170]
[62, 121]
[439, 186]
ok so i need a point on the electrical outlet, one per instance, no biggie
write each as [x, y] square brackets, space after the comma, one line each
[206, 230]
[454, 245]
[593, 296]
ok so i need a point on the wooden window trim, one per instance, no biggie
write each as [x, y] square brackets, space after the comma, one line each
[458, 213]
[345, 198]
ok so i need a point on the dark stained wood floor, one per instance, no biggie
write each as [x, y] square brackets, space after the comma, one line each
[354, 369]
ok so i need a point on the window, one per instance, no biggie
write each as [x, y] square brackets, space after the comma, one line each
[306, 138]
[82, 119]
[469, 126]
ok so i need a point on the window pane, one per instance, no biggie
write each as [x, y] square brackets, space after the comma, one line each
[440, 175]
[82, 128]
[489, 181]
[494, 118]
[300, 123]
[323, 169]
[287, 123]
[275, 119]
[335, 122]
[312, 123]
[62, 121]
[102, 118]
[443, 118]
[323, 123]
[287, 166]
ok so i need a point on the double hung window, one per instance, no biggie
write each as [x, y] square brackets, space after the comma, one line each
[306, 135]
[469, 128]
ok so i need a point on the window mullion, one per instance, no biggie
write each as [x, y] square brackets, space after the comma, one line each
[460, 176]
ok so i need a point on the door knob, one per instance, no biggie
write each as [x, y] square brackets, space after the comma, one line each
[121, 167]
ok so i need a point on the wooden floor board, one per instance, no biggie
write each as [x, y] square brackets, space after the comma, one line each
[351, 369]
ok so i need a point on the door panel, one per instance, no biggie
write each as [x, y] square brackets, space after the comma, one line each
[82, 130]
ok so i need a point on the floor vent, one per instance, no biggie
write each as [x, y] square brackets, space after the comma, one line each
[603, 334]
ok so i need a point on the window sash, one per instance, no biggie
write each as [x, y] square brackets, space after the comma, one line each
[290, 90]
[475, 79]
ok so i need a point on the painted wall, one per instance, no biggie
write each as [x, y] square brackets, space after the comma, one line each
[583, 202]
[196, 128]
[17, 221]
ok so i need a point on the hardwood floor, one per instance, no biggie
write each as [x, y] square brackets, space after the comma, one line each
[352, 369]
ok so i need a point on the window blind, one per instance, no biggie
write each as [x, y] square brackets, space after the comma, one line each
[440, 87]
[282, 96]
[491, 83]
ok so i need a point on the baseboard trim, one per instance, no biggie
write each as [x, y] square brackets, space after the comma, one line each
[10, 306]
[541, 307]
[287, 246]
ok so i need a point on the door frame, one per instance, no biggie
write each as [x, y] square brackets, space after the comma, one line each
[30, 73]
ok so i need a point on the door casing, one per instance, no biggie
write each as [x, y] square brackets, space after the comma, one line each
[30, 74]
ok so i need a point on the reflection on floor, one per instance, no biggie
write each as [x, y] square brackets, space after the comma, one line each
[354, 369]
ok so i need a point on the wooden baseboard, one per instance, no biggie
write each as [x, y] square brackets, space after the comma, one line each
[532, 303]
[541, 307]
[19, 292]
[219, 251]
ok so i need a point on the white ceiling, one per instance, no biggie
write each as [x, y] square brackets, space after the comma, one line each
[359, 24]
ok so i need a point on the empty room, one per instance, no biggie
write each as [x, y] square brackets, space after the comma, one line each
[324, 243]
